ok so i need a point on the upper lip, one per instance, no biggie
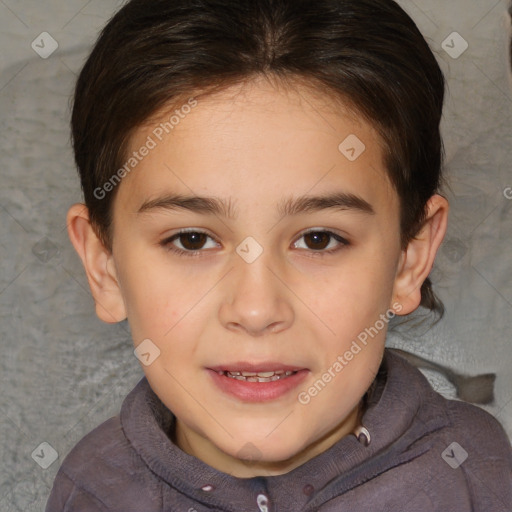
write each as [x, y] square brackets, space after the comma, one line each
[244, 366]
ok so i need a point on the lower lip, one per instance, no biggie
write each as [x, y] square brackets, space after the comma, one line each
[258, 391]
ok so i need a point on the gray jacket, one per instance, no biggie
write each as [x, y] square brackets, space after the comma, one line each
[426, 454]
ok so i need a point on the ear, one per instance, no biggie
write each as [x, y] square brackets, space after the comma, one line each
[417, 259]
[99, 265]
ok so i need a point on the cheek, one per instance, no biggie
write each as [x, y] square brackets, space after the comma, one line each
[152, 302]
[354, 295]
[376, 274]
[167, 309]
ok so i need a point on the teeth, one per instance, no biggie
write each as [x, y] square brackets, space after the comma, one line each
[258, 376]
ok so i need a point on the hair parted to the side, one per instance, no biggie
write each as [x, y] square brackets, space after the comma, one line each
[159, 53]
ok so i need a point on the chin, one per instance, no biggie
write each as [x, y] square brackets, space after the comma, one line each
[268, 450]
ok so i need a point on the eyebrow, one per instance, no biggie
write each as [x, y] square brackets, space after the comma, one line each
[293, 206]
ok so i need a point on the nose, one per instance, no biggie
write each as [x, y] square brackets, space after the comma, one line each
[256, 300]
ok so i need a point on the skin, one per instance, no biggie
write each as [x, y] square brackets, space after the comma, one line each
[298, 304]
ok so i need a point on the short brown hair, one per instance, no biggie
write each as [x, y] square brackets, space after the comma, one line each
[369, 53]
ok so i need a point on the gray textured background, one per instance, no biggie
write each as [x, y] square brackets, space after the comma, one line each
[63, 372]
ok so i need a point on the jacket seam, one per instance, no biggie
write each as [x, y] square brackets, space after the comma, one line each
[81, 488]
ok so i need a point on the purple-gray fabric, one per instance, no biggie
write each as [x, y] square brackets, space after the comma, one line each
[129, 463]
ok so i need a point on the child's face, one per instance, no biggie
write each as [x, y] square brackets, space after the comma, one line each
[299, 305]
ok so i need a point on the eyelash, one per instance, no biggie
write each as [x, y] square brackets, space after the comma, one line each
[168, 245]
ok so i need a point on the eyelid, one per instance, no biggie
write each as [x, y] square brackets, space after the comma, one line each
[167, 242]
[331, 232]
[321, 229]
[184, 231]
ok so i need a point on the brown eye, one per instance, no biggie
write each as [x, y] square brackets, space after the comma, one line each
[321, 242]
[317, 240]
[189, 243]
[193, 241]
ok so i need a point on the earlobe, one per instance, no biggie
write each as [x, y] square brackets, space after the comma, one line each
[418, 258]
[99, 265]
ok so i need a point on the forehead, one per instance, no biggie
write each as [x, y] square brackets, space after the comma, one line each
[257, 137]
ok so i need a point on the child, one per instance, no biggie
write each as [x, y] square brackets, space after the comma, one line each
[261, 186]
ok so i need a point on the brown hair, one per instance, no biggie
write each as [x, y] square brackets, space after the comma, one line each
[369, 53]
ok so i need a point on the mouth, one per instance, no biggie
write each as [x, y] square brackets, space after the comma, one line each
[257, 383]
[258, 376]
